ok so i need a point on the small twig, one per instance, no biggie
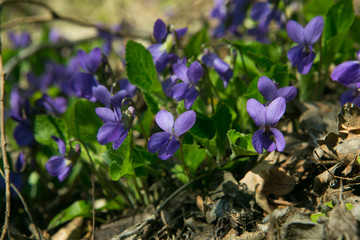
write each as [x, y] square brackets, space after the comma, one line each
[24, 204]
[56, 16]
[6, 227]
[33, 49]
[93, 206]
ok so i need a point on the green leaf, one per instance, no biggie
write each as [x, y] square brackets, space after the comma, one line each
[152, 102]
[121, 160]
[193, 48]
[240, 143]
[332, 46]
[280, 74]
[263, 55]
[180, 174]
[222, 119]
[86, 123]
[204, 131]
[314, 8]
[193, 156]
[141, 70]
[315, 216]
[77, 209]
[46, 126]
[339, 18]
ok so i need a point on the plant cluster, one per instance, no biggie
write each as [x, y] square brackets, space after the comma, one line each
[179, 107]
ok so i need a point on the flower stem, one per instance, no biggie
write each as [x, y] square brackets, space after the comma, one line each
[107, 187]
[133, 175]
[132, 103]
[183, 161]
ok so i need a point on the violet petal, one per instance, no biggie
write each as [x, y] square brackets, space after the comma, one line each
[165, 120]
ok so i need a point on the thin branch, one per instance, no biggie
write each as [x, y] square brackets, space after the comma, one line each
[56, 16]
[26, 20]
[3, 146]
[93, 206]
[29, 51]
[26, 208]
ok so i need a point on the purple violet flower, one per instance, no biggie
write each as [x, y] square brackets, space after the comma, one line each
[160, 51]
[221, 67]
[104, 96]
[108, 37]
[266, 117]
[116, 125]
[231, 14]
[20, 40]
[303, 55]
[54, 106]
[270, 91]
[347, 73]
[263, 13]
[167, 143]
[190, 77]
[90, 62]
[82, 84]
[59, 166]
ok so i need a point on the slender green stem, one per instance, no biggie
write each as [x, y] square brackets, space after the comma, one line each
[183, 161]
[322, 77]
[106, 187]
[244, 66]
[133, 176]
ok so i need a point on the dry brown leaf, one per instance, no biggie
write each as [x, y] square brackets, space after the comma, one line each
[345, 146]
[342, 224]
[266, 178]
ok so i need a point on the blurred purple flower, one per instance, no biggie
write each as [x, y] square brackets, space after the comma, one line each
[16, 178]
[20, 162]
[90, 62]
[167, 142]
[20, 111]
[221, 67]
[264, 14]
[126, 85]
[230, 14]
[55, 36]
[270, 91]
[82, 84]
[116, 125]
[303, 55]
[266, 117]
[190, 77]
[59, 166]
[20, 40]
[108, 37]
[160, 51]
[54, 106]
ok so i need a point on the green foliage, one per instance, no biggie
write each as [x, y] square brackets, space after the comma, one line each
[121, 159]
[240, 143]
[180, 173]
[204, 131]
[46, 126]
[77, 209]
[85, 121]
[314, 8]
[193, 156]
[141, 72]
[339, 19]
[193, 48]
